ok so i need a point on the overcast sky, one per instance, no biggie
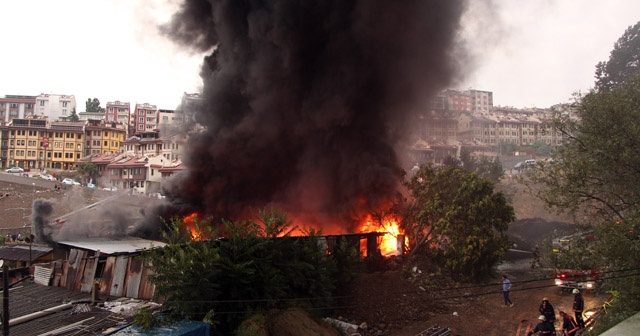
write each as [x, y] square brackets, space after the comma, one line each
[531, 53]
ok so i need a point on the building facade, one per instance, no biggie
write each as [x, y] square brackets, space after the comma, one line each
[103, 137]
[16, 107]
[55, 107]
[119, 112]
[145, 118]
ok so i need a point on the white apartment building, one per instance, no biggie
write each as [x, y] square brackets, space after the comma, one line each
[55, 107]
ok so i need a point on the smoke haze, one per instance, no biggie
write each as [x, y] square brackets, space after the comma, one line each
[307, 103]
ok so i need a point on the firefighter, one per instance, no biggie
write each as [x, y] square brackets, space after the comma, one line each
[569, 325]
[546, 309]
[543, 328]
[536, 258]
[578, 306]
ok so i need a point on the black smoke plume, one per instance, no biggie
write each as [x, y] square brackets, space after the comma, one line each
[306, 104]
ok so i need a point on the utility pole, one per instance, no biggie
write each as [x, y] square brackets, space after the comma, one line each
[5, 298]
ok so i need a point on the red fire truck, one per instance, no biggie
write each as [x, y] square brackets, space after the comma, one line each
[574, 268]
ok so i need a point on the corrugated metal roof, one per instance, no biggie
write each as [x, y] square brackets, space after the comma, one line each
[68, 312]
[111, 246]
[22, 253]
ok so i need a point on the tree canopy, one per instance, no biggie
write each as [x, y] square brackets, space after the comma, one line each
[624, 60]
[256, 267]
[595, 173]
[74, 116]
[457, 216]
[93, 105]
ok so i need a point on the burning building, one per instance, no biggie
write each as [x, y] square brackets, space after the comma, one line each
[305, 103]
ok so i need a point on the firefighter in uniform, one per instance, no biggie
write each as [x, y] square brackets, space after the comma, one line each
[578, 306]
[543, 328]
[546, 309]
[569, 325]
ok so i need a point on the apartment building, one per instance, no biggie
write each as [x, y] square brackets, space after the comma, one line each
[190, 105]
[56, 107]
[143, 144]
[103, 137]
[16, 107]
[481, 101]
[119, 112]
[145, 118]
[67, 144]
[35, 143]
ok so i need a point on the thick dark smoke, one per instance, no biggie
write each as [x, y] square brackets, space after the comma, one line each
[306, 103]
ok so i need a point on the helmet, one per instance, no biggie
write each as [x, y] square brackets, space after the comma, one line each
[545, 299]
[542, 318]
[576, 291]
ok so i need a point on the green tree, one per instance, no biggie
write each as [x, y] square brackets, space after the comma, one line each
[74, 116]
[93, 105]
[624, 61]
[89, 171]
[457, 216]
[485, 167]
[256, 267]
[595, 174]
[597, 166]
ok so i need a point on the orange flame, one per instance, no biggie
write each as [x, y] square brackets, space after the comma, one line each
[388, 243]
[191, 227]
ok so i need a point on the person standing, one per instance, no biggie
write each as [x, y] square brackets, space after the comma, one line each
[506, 287]
[578, 306]
[543, 328]
[546, 309]
[536, 258]
[569, 325]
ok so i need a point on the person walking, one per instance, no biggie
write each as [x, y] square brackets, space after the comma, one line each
[546, 309]
[578, 306]
[569, 325]
[543, 328]
[506, 287]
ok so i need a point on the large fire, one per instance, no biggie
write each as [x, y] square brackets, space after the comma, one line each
[192, 226]
[388, 243]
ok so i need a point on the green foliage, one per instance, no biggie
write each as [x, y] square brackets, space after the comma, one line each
[596, 170]
[542, 148]
[597, 166]
[74, 116]
[257, 267]
[489, 168]
[93, 105]
[458, 217]
[89, 170]
[624, 61]
[145, 320]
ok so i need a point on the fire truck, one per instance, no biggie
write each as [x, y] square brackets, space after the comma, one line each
[574, 268]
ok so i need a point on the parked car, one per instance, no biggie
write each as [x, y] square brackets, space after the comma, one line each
[47, 177]
[69, 181]
[15, 170]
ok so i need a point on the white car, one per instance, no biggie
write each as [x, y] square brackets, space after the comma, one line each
[47, 177]
[69, 181]
[15, 170]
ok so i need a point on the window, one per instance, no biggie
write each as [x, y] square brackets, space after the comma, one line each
[41, 102]
[64, 104]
